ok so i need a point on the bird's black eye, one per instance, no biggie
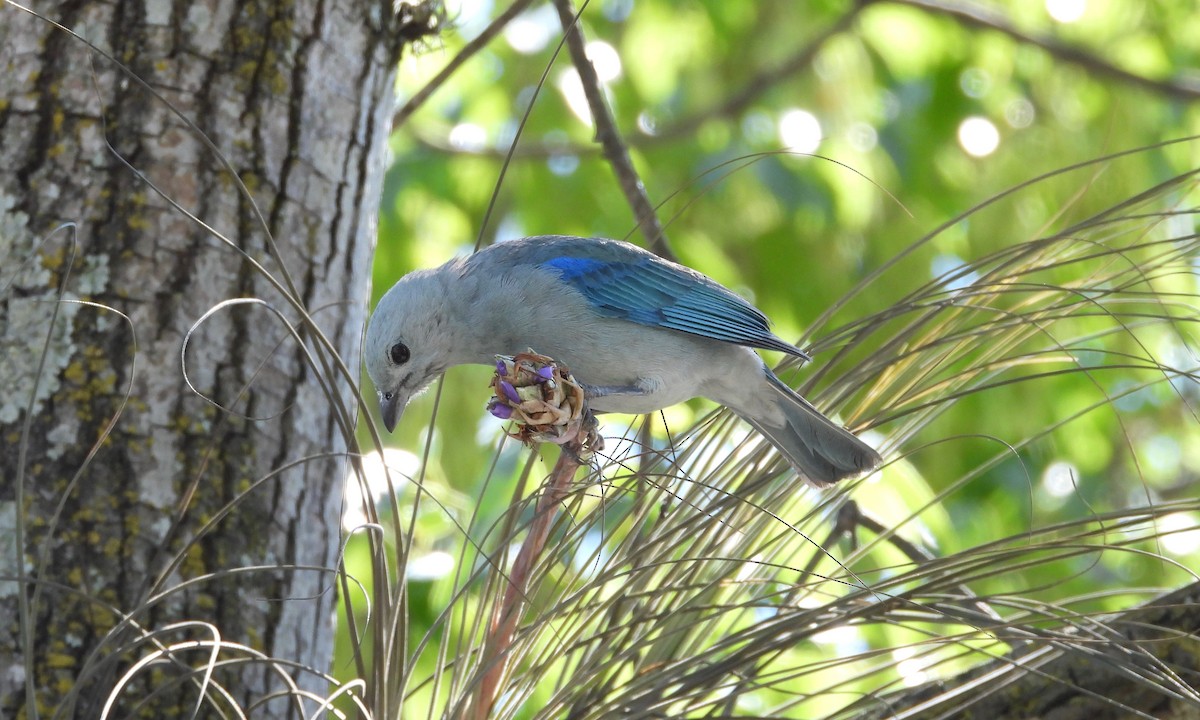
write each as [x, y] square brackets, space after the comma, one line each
[398, 353]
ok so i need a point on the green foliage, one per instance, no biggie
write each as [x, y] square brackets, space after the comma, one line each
[1059, 383]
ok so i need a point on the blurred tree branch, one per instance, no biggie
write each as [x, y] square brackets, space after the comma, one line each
[460, 58]
[609, 137]
[973, 16]
[730, 108]
[1118, 669]
[754, 88]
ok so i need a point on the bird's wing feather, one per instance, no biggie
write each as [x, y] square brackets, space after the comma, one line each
[625, 282]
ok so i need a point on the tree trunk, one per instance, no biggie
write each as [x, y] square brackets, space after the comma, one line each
[115, 475]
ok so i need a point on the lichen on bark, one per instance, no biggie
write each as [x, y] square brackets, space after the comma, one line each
[37, 320]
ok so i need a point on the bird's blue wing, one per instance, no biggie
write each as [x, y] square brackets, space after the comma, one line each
[650, 291]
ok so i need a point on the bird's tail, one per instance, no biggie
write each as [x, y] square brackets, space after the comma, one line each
[822, 451]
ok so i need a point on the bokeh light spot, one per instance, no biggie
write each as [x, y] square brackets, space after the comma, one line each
[605, 59]
[1059, 478]
[978, 136]
[800, 131]
[531, 32]
[1066, 11]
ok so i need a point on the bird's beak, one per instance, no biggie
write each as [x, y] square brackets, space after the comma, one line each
[391, 406]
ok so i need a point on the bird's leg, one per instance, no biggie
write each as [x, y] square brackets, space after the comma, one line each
[592, 392]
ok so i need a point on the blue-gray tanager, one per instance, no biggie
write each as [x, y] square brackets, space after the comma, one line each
[639, 332]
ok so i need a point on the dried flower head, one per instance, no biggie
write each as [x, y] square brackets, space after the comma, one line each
[543, 399]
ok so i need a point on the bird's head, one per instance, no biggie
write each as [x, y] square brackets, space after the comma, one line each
[410, 341]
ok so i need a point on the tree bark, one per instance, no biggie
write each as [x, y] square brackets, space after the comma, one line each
[115, 543]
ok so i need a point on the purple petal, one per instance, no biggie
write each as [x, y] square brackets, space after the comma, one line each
[500, 410]
[545, 373]
[509, 391]
[501, 368]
